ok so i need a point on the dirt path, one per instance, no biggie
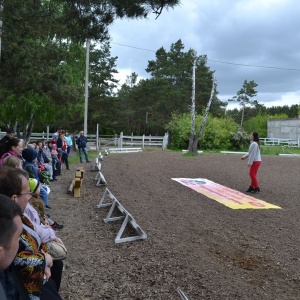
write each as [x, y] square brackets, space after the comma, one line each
[194, 243]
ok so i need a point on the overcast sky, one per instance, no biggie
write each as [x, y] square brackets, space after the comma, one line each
[232, 33]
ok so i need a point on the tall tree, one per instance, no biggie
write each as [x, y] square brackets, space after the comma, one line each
[194, 139]
[244, 96]
[173, 70]
[37, 39]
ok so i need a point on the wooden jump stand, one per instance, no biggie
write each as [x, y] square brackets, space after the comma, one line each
[97, 167]
[76, 184]
[108, 199]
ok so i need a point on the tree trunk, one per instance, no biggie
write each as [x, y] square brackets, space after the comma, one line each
[192, 132]
[195, 140]
[243, 111]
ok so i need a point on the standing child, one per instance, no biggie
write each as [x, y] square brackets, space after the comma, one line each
[254, 162]
[54, 156]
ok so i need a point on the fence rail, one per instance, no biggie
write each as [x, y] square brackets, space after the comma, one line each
[280, 142]
[131, 140]
[142, 141]
[102, 141]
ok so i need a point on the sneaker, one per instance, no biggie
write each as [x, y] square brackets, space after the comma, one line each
[87, 161]
[56, 226]
[48, 206]
[256, 190]
[68, 169]
[250, 189]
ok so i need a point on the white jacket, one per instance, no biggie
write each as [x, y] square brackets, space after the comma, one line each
[253, 154]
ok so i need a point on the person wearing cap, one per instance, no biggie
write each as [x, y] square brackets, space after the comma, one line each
[9, 135]
[29, 155]
[39, 205]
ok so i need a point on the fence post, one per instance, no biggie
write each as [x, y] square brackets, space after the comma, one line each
[97, 137]
[48, 134]
[120, 142]
[165, 141]
[143, 142]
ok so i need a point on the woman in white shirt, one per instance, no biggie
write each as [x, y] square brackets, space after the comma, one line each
[254, 161]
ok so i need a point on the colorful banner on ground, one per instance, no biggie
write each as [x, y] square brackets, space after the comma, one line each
[229, 197]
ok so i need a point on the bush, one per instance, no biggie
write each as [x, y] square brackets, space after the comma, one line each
[216, 134]
[239, 139]
[259, 123]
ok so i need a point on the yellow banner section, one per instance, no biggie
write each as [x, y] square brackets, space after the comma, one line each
[229, 197]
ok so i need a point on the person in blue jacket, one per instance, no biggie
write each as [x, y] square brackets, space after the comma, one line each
[81, 143]
[29, 155]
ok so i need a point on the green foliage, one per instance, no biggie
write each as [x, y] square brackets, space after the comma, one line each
[259, 123]
[239, 139]
[244, 95]
[179, 128]
[43, 58]
[259, 109]
[276, 150]
[167, 92]
[292, 111]
[216, 134]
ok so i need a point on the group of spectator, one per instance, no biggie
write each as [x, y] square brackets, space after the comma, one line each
[29, 266]
[31, 253]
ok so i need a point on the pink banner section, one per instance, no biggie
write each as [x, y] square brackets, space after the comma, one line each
[229, 197]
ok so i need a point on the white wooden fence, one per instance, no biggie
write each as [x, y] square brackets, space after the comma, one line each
[280, 142]
[133, 141]
[97, 142]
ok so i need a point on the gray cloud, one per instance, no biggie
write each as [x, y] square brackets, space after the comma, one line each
[249, 32]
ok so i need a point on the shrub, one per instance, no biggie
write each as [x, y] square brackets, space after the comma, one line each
[239, 139]
[259, 123]
[216, 134]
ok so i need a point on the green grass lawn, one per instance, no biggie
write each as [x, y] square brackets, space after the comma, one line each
[75, 158]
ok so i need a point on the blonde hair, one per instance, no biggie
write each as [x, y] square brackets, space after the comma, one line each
[12, 161]
[38, 203]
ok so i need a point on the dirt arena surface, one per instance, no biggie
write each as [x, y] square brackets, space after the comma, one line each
[194, 243]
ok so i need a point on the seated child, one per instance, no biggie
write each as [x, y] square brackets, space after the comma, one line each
[29, 155]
